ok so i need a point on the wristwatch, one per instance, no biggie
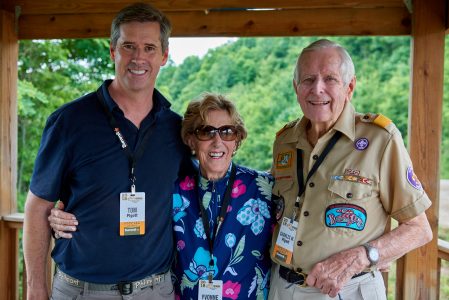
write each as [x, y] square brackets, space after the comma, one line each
[373, 255]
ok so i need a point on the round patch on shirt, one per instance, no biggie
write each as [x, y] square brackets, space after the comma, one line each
[361, 144]
[413, 179]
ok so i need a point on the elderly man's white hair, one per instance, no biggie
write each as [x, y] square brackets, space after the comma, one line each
[347, 70]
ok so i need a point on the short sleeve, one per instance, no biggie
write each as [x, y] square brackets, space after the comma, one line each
[50, 167]
[401, 192]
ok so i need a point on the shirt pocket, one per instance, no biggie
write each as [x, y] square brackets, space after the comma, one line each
[283, 186]
[348, 191]
[347, 205]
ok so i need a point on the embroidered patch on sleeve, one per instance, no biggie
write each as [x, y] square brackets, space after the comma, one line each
[284, 160]
[345, 215]
[413, 179]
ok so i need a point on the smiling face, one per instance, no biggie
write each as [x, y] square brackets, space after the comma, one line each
[214, 155]
[321, 91]
[138, 56]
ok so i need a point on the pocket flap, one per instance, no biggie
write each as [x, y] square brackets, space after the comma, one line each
[349, 189]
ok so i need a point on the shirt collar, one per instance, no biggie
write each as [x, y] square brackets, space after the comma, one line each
[159, 101]
[345, 123]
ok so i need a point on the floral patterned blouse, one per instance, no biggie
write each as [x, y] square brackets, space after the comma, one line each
[241, 245]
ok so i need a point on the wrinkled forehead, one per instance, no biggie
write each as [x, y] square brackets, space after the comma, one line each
[326, 60]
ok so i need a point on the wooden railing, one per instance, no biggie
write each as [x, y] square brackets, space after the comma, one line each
[15, 223]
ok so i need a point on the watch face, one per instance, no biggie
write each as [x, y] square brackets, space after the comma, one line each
[374, 255]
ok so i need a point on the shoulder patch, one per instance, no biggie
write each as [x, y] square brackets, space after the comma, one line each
[382, 121]
[377, 119]
[286, 126]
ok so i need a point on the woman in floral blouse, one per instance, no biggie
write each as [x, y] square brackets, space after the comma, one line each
[225, 243]
[221, 211]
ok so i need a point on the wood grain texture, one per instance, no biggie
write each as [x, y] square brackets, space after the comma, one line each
[34, 7]
[9, 241]
[420, 268]
[292, 22]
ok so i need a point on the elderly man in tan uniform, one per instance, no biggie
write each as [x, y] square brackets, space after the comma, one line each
[355, 173]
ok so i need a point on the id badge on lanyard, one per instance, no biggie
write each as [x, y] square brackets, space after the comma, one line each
[132, 214]
[210, 290]
[283, 250]
[132, 205]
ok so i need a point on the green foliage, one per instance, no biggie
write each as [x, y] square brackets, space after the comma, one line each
[52, 73]
[255, 72]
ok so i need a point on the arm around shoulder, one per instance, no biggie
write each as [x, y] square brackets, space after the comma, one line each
[36, 241]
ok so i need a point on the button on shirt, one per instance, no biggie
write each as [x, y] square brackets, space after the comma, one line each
[366, 178]
[81, 162]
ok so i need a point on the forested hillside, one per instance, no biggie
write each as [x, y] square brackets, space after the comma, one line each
[255, 72]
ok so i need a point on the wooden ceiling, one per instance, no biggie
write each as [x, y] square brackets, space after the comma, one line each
[46, 19]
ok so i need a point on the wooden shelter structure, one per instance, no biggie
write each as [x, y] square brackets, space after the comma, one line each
[426, 21]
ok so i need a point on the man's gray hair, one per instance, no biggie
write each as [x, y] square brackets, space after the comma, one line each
[347, 70]
[141, 12]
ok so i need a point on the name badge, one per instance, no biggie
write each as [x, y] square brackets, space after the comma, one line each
[132, 214]
[283, 250]
[210, 290]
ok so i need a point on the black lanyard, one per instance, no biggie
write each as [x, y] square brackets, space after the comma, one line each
[132, 157]
[299, 166]
[223, 211]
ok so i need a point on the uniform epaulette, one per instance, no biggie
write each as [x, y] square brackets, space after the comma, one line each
[287, 126]
[378, 119]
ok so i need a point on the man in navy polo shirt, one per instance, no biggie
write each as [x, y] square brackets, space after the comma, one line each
[111, 157]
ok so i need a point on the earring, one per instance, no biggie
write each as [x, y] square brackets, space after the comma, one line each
[193, 152]
[234, 152]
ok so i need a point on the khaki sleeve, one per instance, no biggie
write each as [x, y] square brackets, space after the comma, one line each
[401, 193]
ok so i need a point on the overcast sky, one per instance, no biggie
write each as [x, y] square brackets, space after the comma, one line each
[180, 48]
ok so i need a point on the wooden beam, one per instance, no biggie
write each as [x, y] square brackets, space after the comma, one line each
[33, 7]
[9, 247]
[420, 267]
[314, 22]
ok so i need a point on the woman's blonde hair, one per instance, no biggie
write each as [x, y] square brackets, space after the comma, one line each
[197, 110]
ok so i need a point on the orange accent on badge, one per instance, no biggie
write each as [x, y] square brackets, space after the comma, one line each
[282, 254]
[284, 160]
[132, 228]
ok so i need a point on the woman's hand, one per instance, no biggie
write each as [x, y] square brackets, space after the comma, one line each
[62, 222]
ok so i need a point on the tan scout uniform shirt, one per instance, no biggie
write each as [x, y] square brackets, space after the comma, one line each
[365, 178]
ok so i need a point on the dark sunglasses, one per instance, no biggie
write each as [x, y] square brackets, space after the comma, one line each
[206, 133]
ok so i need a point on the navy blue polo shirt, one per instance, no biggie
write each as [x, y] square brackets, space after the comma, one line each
[81, 162]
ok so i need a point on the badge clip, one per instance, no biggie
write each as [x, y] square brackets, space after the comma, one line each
[133, 189]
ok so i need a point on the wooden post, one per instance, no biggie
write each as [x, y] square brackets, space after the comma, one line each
[8, 153]
[418, 270]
